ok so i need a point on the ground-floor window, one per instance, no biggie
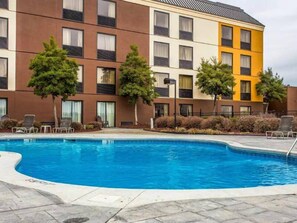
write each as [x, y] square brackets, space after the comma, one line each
[73, 110]
[107, 111]
[186, 110]
[161, 110]
[227, 110]
[245, 110]
[3, 73]
[3, 107]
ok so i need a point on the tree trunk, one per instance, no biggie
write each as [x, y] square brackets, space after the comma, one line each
[266, 110]
[214, 104]
[136, 117]
[55, 113]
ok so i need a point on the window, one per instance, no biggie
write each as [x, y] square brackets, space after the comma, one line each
[73, 10]
[106, 111]
[3, 33]
[245, 65]
[228, 96]
[3, 73]
[161, 54]
[185, 86]
[73, 41]
[245, 110]
[245, 88]
[227, 36]
[106, 80]
[161, 110]
[185, 57]
[161, 24]
[227, 58]
[161, 88]
[80, 85]
[185, 28]
[73, 110]
[3, 107]
[106, 13]
[245, 40]
[227, 110]
[4, 4]
[186, 110]
[106, 47]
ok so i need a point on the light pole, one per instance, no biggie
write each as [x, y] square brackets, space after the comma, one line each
[170, 81]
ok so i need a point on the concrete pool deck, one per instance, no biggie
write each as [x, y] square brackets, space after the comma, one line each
[139, 202]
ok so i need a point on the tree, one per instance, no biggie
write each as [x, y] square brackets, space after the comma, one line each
[54, 74]
[215, 78]
[136, 80]
[271, 87]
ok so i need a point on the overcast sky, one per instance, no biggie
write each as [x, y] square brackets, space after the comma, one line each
[280, 37]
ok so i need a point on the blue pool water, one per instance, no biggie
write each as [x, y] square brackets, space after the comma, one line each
[149, 164]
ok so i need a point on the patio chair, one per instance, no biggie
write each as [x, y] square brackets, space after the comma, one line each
[65, 125]
[27, 126]
[284, 129]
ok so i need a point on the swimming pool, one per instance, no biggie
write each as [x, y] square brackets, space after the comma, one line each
[149, 164]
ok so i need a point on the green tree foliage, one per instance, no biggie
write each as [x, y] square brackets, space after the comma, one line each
[136, 80]
[215, 78]
[54, 74]
[271, 87]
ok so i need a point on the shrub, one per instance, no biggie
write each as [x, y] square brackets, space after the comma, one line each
[266, 124]
[295, 124]
[179, 121]
[246, 123]
[234, 121]
[161, 122]
[9, 123]
[77, 126]
[192, 122]
[89, 127]
[217, 123]
[181, 130]
[96, 125]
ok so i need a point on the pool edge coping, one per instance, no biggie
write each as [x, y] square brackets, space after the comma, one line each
[120, 198]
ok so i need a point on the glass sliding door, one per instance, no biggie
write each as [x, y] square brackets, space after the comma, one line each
[3, 107]
[106, 110]
[73, 110]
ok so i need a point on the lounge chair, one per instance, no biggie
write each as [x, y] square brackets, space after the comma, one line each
[27, 126]
[284, 129]
[65, 125]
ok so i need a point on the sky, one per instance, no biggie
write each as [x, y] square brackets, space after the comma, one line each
[280, 36]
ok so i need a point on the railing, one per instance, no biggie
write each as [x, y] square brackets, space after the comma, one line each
[224, 114]
[292, 147]
[281, 113]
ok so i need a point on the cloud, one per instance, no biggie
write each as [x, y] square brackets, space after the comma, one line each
[280, 38]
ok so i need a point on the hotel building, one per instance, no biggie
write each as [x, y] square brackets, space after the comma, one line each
[173, 35]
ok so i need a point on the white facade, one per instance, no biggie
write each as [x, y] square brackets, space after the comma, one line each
[204, 44]
[10, 53]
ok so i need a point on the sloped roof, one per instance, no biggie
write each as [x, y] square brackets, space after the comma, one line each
[214, 8]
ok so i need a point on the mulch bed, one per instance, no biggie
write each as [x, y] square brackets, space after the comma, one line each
[171, 131]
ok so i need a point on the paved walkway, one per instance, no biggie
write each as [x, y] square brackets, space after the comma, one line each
[23, 205]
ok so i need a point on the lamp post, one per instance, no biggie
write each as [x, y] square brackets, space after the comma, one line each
[170, 81]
